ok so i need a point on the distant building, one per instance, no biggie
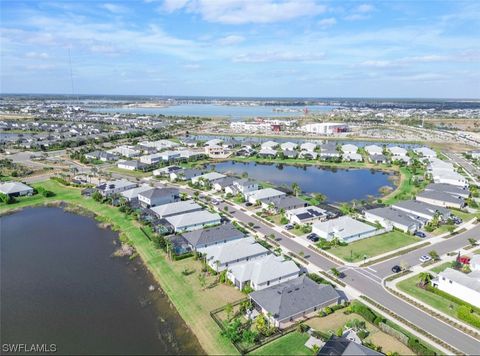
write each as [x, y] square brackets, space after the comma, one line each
[15, 189]
[325, 128]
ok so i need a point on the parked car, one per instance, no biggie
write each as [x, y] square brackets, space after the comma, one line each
[289, 227]
[456, 220]
[215, 202]
[313, 237]
[425, 258]
[420, 234]
[248, 203]
[396, 269]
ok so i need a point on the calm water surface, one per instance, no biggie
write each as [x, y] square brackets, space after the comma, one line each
[60, 285]
[339, 185]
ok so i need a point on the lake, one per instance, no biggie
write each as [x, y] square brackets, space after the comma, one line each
[211, 110]
[61, 286]
[339, 185]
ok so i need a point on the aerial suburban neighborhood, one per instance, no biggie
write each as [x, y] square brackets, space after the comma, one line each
[271, 177]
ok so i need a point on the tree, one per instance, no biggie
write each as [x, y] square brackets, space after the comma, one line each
[424, 279]
[296, 189]
[472, 241]
[335, 272]
[261, 325]
[434, 255]
[202, 280]
[320, 198]
[97, 196]
[7, 199]
[228, 310]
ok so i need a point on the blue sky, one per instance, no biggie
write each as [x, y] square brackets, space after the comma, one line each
[243, 48]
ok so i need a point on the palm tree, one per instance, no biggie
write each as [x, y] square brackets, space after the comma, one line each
[433, 254]
[424, 279]
[472, 241]
[296, 189]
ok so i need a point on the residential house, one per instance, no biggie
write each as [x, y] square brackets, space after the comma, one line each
[285, 202]
[373, 150]
[114, 187]
[176, 208]
[223, 256]
[213, 151]
[308, 155]
[325, 128]
[132, 194]
[220, 234]
[329, 150]
[441, 199]
[159, 145]
[286, 303]
[398, 151]
[166, 171]
[271, 145]
[422, 210]
[378, 158]
[263, 272]
[126, 151]
[290, 154]
[245, 185]
[345, 229]
[188, 155]
[210, 177]
[343, 346]
[267, 153]
[389, 217]
[214, 142]
[464, 286]
[193, 221]
[425, 152]
[15, 189]
[349, 148]
[308, 146]
[133, 165]
[158, 196]
[305, 215]
[449, 188]
[101, 156]
[264, 196]
[352, 157]
[185, 174]
[221, 184]
[289, 146]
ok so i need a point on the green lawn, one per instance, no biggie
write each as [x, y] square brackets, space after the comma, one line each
[290, 344]
[373, 246]
[135, 174]
[406, 189]
[438, 302]
[192, 303]
[441, 268]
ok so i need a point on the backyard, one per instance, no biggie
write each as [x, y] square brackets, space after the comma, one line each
[290, 344]
[373, 246]
[179, 280]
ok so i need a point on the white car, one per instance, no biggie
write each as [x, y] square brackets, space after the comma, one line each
[425, 258]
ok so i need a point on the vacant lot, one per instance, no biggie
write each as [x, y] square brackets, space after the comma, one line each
[373, 246]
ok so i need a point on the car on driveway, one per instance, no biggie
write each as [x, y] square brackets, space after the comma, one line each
[313, 237]
[289, 227]
[456, 220]
[420, 234]
[425, 258]
[396, 269]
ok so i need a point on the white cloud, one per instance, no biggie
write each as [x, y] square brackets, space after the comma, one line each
[279, 57]
[327, 22]
[360, 12]
[364, 8]
[37, 55]
[236, 12]
[114, 8]
[231, 40]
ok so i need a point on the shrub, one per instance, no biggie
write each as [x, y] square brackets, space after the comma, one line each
[365, 312]
[419, 348]
[466, 313]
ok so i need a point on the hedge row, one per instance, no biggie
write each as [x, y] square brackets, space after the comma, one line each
[451, 298]
[465, 313]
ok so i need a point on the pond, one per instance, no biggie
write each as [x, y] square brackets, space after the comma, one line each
[339, 185]
[60, 285]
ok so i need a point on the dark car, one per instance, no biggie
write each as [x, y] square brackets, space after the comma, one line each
[289, 227]
[248, 203]
[456, 220]
[396, 269]
[420, 234]
[313, 237]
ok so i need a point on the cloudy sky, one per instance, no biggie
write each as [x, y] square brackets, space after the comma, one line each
[242, 48]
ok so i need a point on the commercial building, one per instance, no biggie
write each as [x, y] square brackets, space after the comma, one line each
[325, 128]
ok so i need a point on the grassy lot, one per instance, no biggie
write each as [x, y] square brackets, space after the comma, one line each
[135, 174]
[185, 292]
[290, 344]
[373, 246]
[438, 302]
[332, 322]
[406, 188]
[441, 268]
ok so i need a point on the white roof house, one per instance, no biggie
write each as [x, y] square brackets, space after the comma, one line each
[461, 285]
[263, 272]
[223, 256]
[132, 194]
[374, 150]
[352, 156]
[308, 146]
[15, 189]
[305, 214]
[349, 148]
[344, 228]
[179, 207]
[263, 195]
[398, 151]
[210, 177]
[214, 142]
[425, 152]
[193, 221]
[269, 144]
[116, 186]
[159, 145]
[288, 146]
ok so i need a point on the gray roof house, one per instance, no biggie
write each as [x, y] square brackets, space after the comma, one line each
[329, 150]
[287, 202]
[344, 228]
[211, 177]
[421, 209]
[132, 194]
[212, 236]
[389, 217]
[263, 272]
[158, 196]
[185, 174]
[263, 195]
[221, 184]
[177, 208]
[441, 199]
[222, 256]
[341, 346]
[378, 158]
[289, 301]
[193, 221]
[449, 188]
[114, 187]
[15, 189]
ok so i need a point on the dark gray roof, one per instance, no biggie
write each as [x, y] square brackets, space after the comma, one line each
[293, 297]
[377, 157]
[190, 173]
[288, 201]
[212, 235]
[419, 207]
[441, 196]
[336, 346]
[159, 192]
[448, 188]
[395, 216]
[225, 182]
